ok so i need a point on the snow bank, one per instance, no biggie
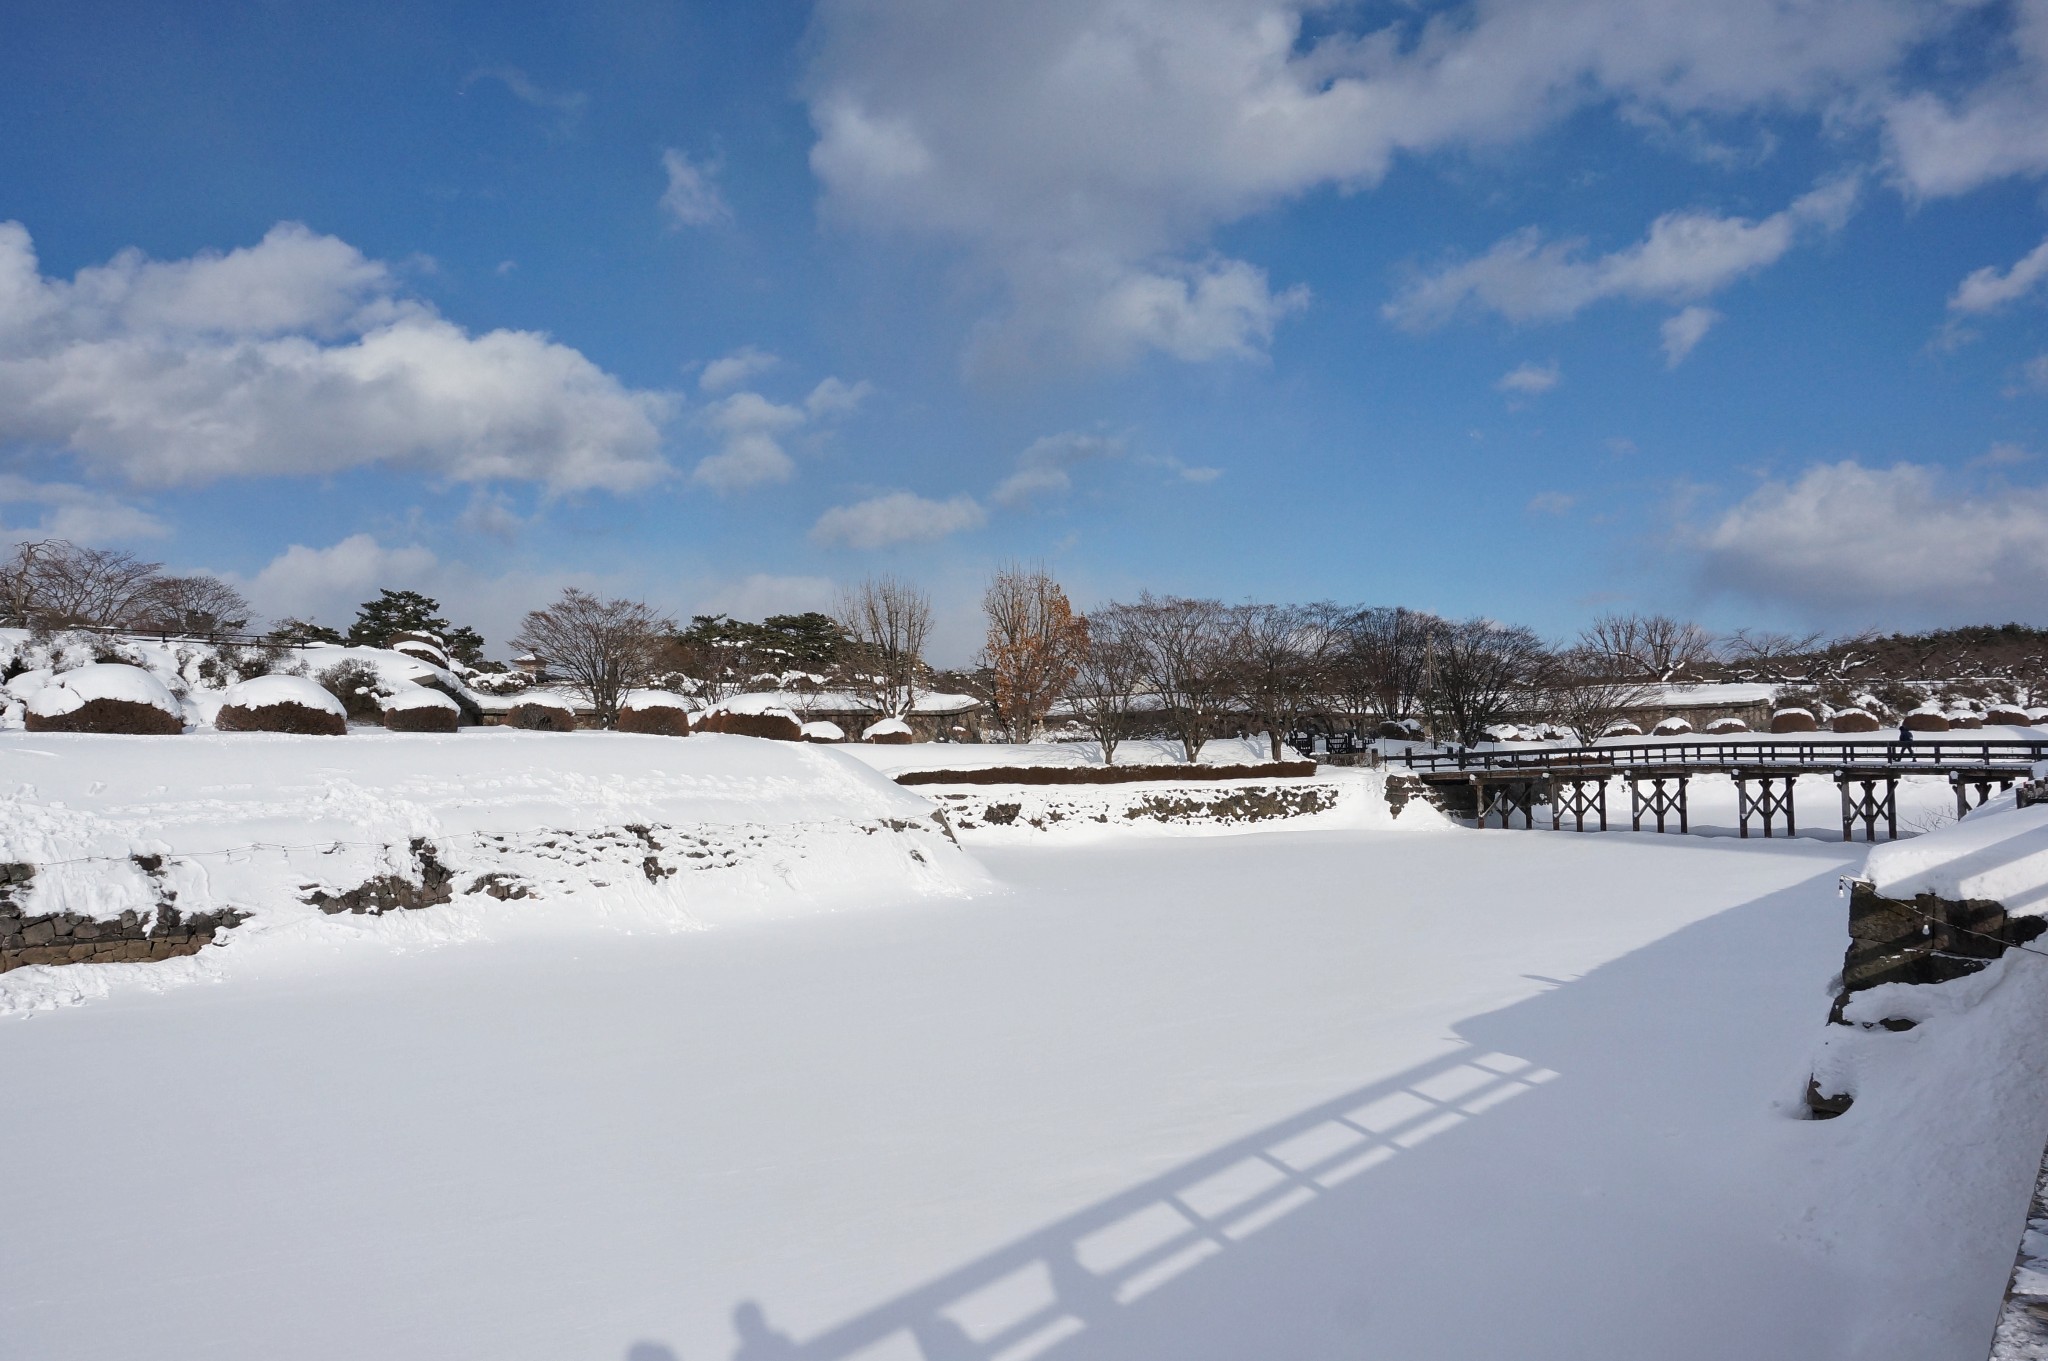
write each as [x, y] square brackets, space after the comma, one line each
[575, 829]
[1999, 852]
[1222, 751]
[70, 691]
[888, 727]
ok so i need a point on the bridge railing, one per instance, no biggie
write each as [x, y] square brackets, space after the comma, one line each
[1936, 755]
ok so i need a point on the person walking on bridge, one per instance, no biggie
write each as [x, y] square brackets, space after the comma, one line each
[1905, 734]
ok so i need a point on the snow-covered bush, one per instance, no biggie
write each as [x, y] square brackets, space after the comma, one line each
[1796, 719]
[542, 714]
[1927, 718]
[1852, 720]
[104, 697]
[1722, 726]
[654, 711]
[822, 730]
[421, 710]
[777, 724]
[890, 732]
[281, 704]
[359, 688]
[1623, 727]
[1673, 726]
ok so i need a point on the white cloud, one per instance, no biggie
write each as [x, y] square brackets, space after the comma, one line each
[896, 517]
[836, 397]
[761, 594]
[1845, 541]
[566, 105]
[736, 368]
[1551, 503]
[692, 198]
[1683, 331]
[1042, 469]
[752, 432]
[1989, 288]
[1081, 152]
[65, 510]
[1997, 128]
[1529, 379]
[328, 583]
[298, 356]
[2036, 371]
[1685, 255]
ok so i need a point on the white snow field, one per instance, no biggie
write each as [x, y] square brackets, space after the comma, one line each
[1359, 1091]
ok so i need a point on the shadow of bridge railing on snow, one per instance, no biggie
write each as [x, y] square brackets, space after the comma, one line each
[1079, 1272]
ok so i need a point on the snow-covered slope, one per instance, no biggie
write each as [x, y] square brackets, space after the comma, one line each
[572, 828]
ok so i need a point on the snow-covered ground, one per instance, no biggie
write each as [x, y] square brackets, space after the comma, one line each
[1350, 1092]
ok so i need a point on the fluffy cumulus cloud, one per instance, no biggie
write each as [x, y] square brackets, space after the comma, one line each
[692, 198]
[1684, 255]
[1848, 543]
[1081, 152]
[327, 583]
[297, 356]
[752, 431]
[1044, 468]
[894, 518]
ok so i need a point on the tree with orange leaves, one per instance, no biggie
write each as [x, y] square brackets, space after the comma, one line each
[1034, 644]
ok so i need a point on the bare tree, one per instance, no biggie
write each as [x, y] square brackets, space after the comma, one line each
[1759, 654]
[1277, 656]
[1653, 646]
[1108, 673]
[1187, 662]
[202, 606]
[1478, 671]
[1034, 643]
[51, 583]
[887, 623]
[1582, 691]
[1385, 660]
[601, 647]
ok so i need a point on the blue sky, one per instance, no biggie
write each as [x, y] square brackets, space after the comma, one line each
[1531, 310]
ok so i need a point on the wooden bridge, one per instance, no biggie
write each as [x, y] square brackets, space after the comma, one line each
[1574, 781]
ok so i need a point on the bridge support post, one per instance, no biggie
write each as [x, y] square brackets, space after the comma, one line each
[1656, 800]
[1766, 803]
[1978, 781]
[1867, 805]
[1506, 796]
[1577, 796]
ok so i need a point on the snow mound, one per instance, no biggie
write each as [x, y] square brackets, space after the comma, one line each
[888, 727]
[73, 690]
[267, 690]
[823, 731]
[767, 702]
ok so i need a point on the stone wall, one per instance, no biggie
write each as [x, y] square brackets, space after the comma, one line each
[1041, 807]
[66, 938]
